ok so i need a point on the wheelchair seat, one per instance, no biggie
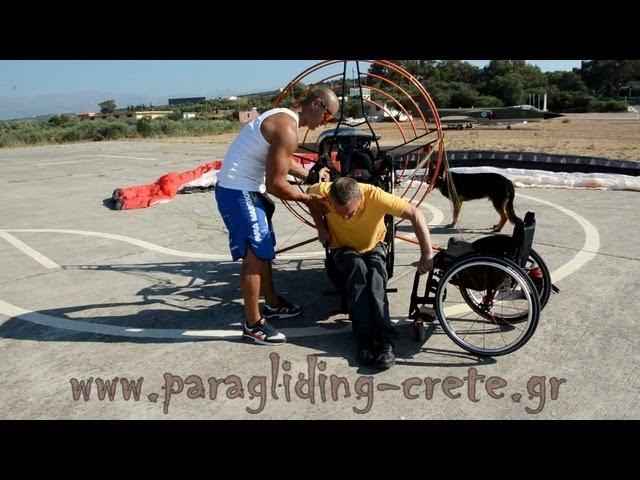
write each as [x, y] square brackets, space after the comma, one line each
[516, 247]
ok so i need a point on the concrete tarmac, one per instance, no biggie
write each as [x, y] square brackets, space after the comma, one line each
[150, 298]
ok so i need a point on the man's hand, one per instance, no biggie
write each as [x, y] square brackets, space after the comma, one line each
[425, 263]
[323, 175]
[314, 200]
[323, 236]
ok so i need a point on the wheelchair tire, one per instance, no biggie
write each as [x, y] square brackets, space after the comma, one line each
[487, 286]
[544, 287]
[499, 244]
[541, 282]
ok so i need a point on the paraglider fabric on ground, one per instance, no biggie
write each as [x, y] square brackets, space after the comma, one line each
[166, 187]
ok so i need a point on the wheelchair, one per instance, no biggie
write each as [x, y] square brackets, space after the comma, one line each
[486, 294]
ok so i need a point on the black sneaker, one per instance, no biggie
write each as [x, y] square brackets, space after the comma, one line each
[283, 310]
[385, 357]
[365, 351]
[263, 333]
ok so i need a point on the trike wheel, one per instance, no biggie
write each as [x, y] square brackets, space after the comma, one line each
[419, 331]
[477, 300]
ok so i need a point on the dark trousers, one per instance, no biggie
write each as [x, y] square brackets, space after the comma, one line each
[366, 284]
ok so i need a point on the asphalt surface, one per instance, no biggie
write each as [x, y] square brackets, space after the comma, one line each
[91, 293]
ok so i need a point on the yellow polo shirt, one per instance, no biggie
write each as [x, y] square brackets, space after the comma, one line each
[366, 228]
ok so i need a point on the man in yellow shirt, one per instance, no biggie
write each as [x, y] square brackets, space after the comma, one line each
[354, 215]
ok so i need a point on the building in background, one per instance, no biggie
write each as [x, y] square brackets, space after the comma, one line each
[630, 92]
[137, 115]
[245, 116]
[86, 115]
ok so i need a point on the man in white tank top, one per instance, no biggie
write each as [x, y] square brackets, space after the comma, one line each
[258, 162]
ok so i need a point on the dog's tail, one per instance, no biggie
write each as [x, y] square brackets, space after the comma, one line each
[511, 213]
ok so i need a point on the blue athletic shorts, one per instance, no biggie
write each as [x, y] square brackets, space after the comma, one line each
[247, 216]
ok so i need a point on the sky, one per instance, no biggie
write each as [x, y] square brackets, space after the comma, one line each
[39, 87]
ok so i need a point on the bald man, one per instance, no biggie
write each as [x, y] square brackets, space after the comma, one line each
[258, 162]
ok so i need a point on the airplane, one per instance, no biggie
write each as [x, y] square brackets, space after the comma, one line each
[460, 118]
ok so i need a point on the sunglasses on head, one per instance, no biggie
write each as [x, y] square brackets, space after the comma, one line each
[328, 116]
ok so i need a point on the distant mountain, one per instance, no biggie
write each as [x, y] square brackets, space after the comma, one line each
[39, 117]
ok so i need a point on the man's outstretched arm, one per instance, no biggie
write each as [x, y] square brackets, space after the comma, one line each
[421, 229]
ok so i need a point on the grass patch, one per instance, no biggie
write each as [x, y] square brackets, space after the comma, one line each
[70, 129]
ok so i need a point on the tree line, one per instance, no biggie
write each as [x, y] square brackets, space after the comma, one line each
[594, 86]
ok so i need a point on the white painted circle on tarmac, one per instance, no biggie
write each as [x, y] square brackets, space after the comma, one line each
[587, 253]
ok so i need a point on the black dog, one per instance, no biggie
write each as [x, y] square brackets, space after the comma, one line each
[472, 186]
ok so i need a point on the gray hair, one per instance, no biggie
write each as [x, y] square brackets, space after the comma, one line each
[343, 190]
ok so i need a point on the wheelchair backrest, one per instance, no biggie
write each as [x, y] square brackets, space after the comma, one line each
[523, 238]
[516, 247]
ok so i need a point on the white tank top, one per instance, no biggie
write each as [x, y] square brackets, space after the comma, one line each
[244, 164]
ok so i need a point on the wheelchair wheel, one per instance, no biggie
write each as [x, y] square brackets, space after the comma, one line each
[538, 273]
[535, 267]
[477, 300]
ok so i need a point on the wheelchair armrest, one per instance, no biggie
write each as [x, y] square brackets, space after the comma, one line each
[458, 249]
[455, 250]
